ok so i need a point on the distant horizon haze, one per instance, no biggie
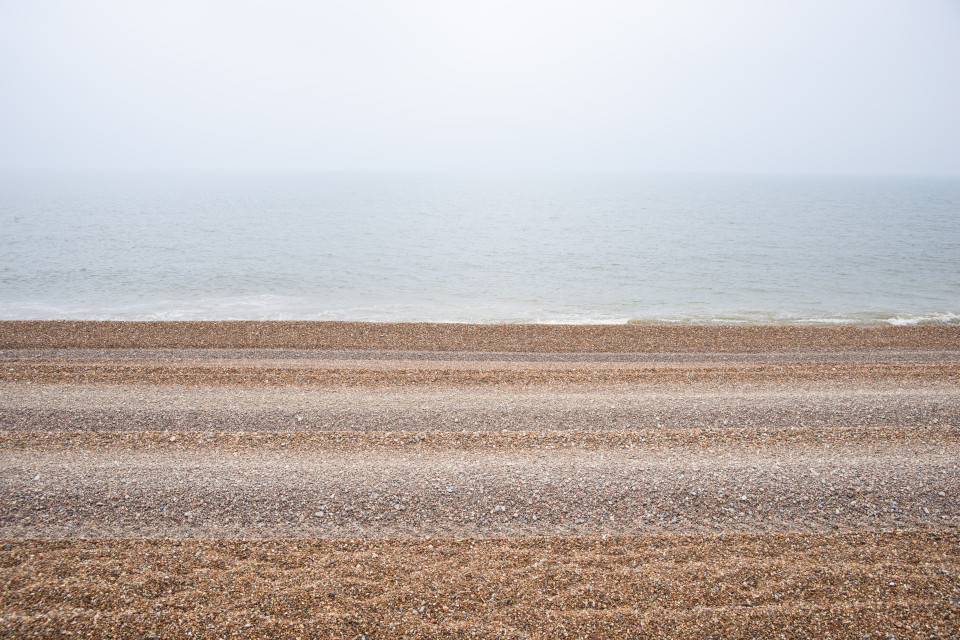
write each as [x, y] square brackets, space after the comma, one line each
[688, 86]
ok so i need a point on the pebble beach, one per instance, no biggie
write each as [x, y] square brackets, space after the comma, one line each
[410, 480]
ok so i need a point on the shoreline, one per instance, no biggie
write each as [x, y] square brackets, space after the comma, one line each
[485, 338]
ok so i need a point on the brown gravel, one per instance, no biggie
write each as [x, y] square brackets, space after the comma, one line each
[354, 480]
[840, 585]
[346, 336]
[388, 374]
[308, 357]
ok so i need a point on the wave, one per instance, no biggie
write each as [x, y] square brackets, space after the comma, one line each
[273, 307]
[847, 319]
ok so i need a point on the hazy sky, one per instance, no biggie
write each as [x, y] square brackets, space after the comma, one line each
[821, 86]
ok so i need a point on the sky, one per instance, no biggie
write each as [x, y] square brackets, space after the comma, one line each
[818, 86]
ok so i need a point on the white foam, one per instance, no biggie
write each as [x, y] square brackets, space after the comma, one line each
[928, 318]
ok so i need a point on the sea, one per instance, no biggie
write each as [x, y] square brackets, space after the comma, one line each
[480, 247]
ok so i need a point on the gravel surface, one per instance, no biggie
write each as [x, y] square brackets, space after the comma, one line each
[843, 585]
[308, 357]
[408, 374]
[787, 405]
[301, 489]
[246, 479]
[413, 336]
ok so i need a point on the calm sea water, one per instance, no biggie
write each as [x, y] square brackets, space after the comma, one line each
[480, 248]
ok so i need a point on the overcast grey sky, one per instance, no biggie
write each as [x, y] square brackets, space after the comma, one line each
[824, 86]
